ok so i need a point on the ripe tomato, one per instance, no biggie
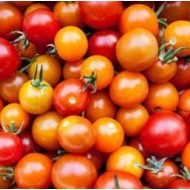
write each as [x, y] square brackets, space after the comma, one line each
[106, 130]
[138, 16]
[72, 69]
[161, 96]
[125, 159]
[98, 65]
[51, 69]
[33, 171]
[180, 30]
[40, 27]
[5, 183]
[13, 85]
[125, 181]
[132, 119]
[1, 104]
[185, 156]
[179, 184]
[9, 59]
[101, 14]
[14, 117]
[22, 4]
[67, 43]
[75, 134]
[11, 148]
[10, 19]
[68, 13]
[124, 87]
[104, 43]
[70, 97]
[100, 105]
[73, 171]
[160, 135]
[46, 124]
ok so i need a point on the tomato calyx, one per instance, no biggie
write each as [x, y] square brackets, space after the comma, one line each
[51, 50]
[162, 21]
[60, 153]
[7, 172]
[153, 165]
[185, 174]
[12, 128]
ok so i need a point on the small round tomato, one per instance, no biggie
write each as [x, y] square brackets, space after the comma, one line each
[22, 4]
[10, 19]
[137, 50]
[180, 184]
[9, 59]
[73, 172]
[125, 159]
[100, 105]
[101, 14]
[95, 66]
[138, 16]
[68, 13]
[70, 97]
[67, 43]
[71, 70]
[128, 89]
[132, 119]
[106, 130]
[51, 69]
[75, 134]
[161, 97]
[11, 148]
[160, 135]
[14, 117]
[46, 124]
[5, 183]
[33, 171]
[125, 180]
[180, 30]
[185, 156]
[13, 85]
[104, 43]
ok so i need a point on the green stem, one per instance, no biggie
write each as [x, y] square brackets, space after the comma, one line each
[116, 182]
[161, 8]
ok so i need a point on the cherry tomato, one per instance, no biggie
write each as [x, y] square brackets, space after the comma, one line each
[180, 30]
[104, 43]
[75, 134]
[101, 14]
[124, 87]
[10, 19]
[73, 171]
[132, 119]
[179, 184]
[160, 135]
[40, 27]
[1, 104]
[70, 98]
[161, 97]
[22, 4]
[9, 59]
[33, 171]
[11, 148]
[106, 130]
[67, 43]
[125, 181]
[100, 105]
[138, 16]
[185, 156]
[125, 159]
[5, 183]
[68, 13]
[44, 130]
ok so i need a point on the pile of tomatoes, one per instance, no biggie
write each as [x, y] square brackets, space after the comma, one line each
[94, 94]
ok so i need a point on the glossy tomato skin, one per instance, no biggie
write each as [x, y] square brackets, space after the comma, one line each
[104, 43]
[40, 27]
[185, 156]
[73, 171]
[101, 14]
[179, 184]
[33, 171]
[125, 180]
[160, 136]
[9, 59]
[69, 97]
[11, 148]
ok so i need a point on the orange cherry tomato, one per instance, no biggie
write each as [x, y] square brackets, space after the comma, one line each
[132, 119]
[137, 50]
[138, 16]
[128, 89]
[44, 130]
[109, 134]
[161, 97]
[125, 159]
[185, 156]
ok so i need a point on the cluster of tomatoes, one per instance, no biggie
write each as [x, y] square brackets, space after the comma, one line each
[94, 94]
